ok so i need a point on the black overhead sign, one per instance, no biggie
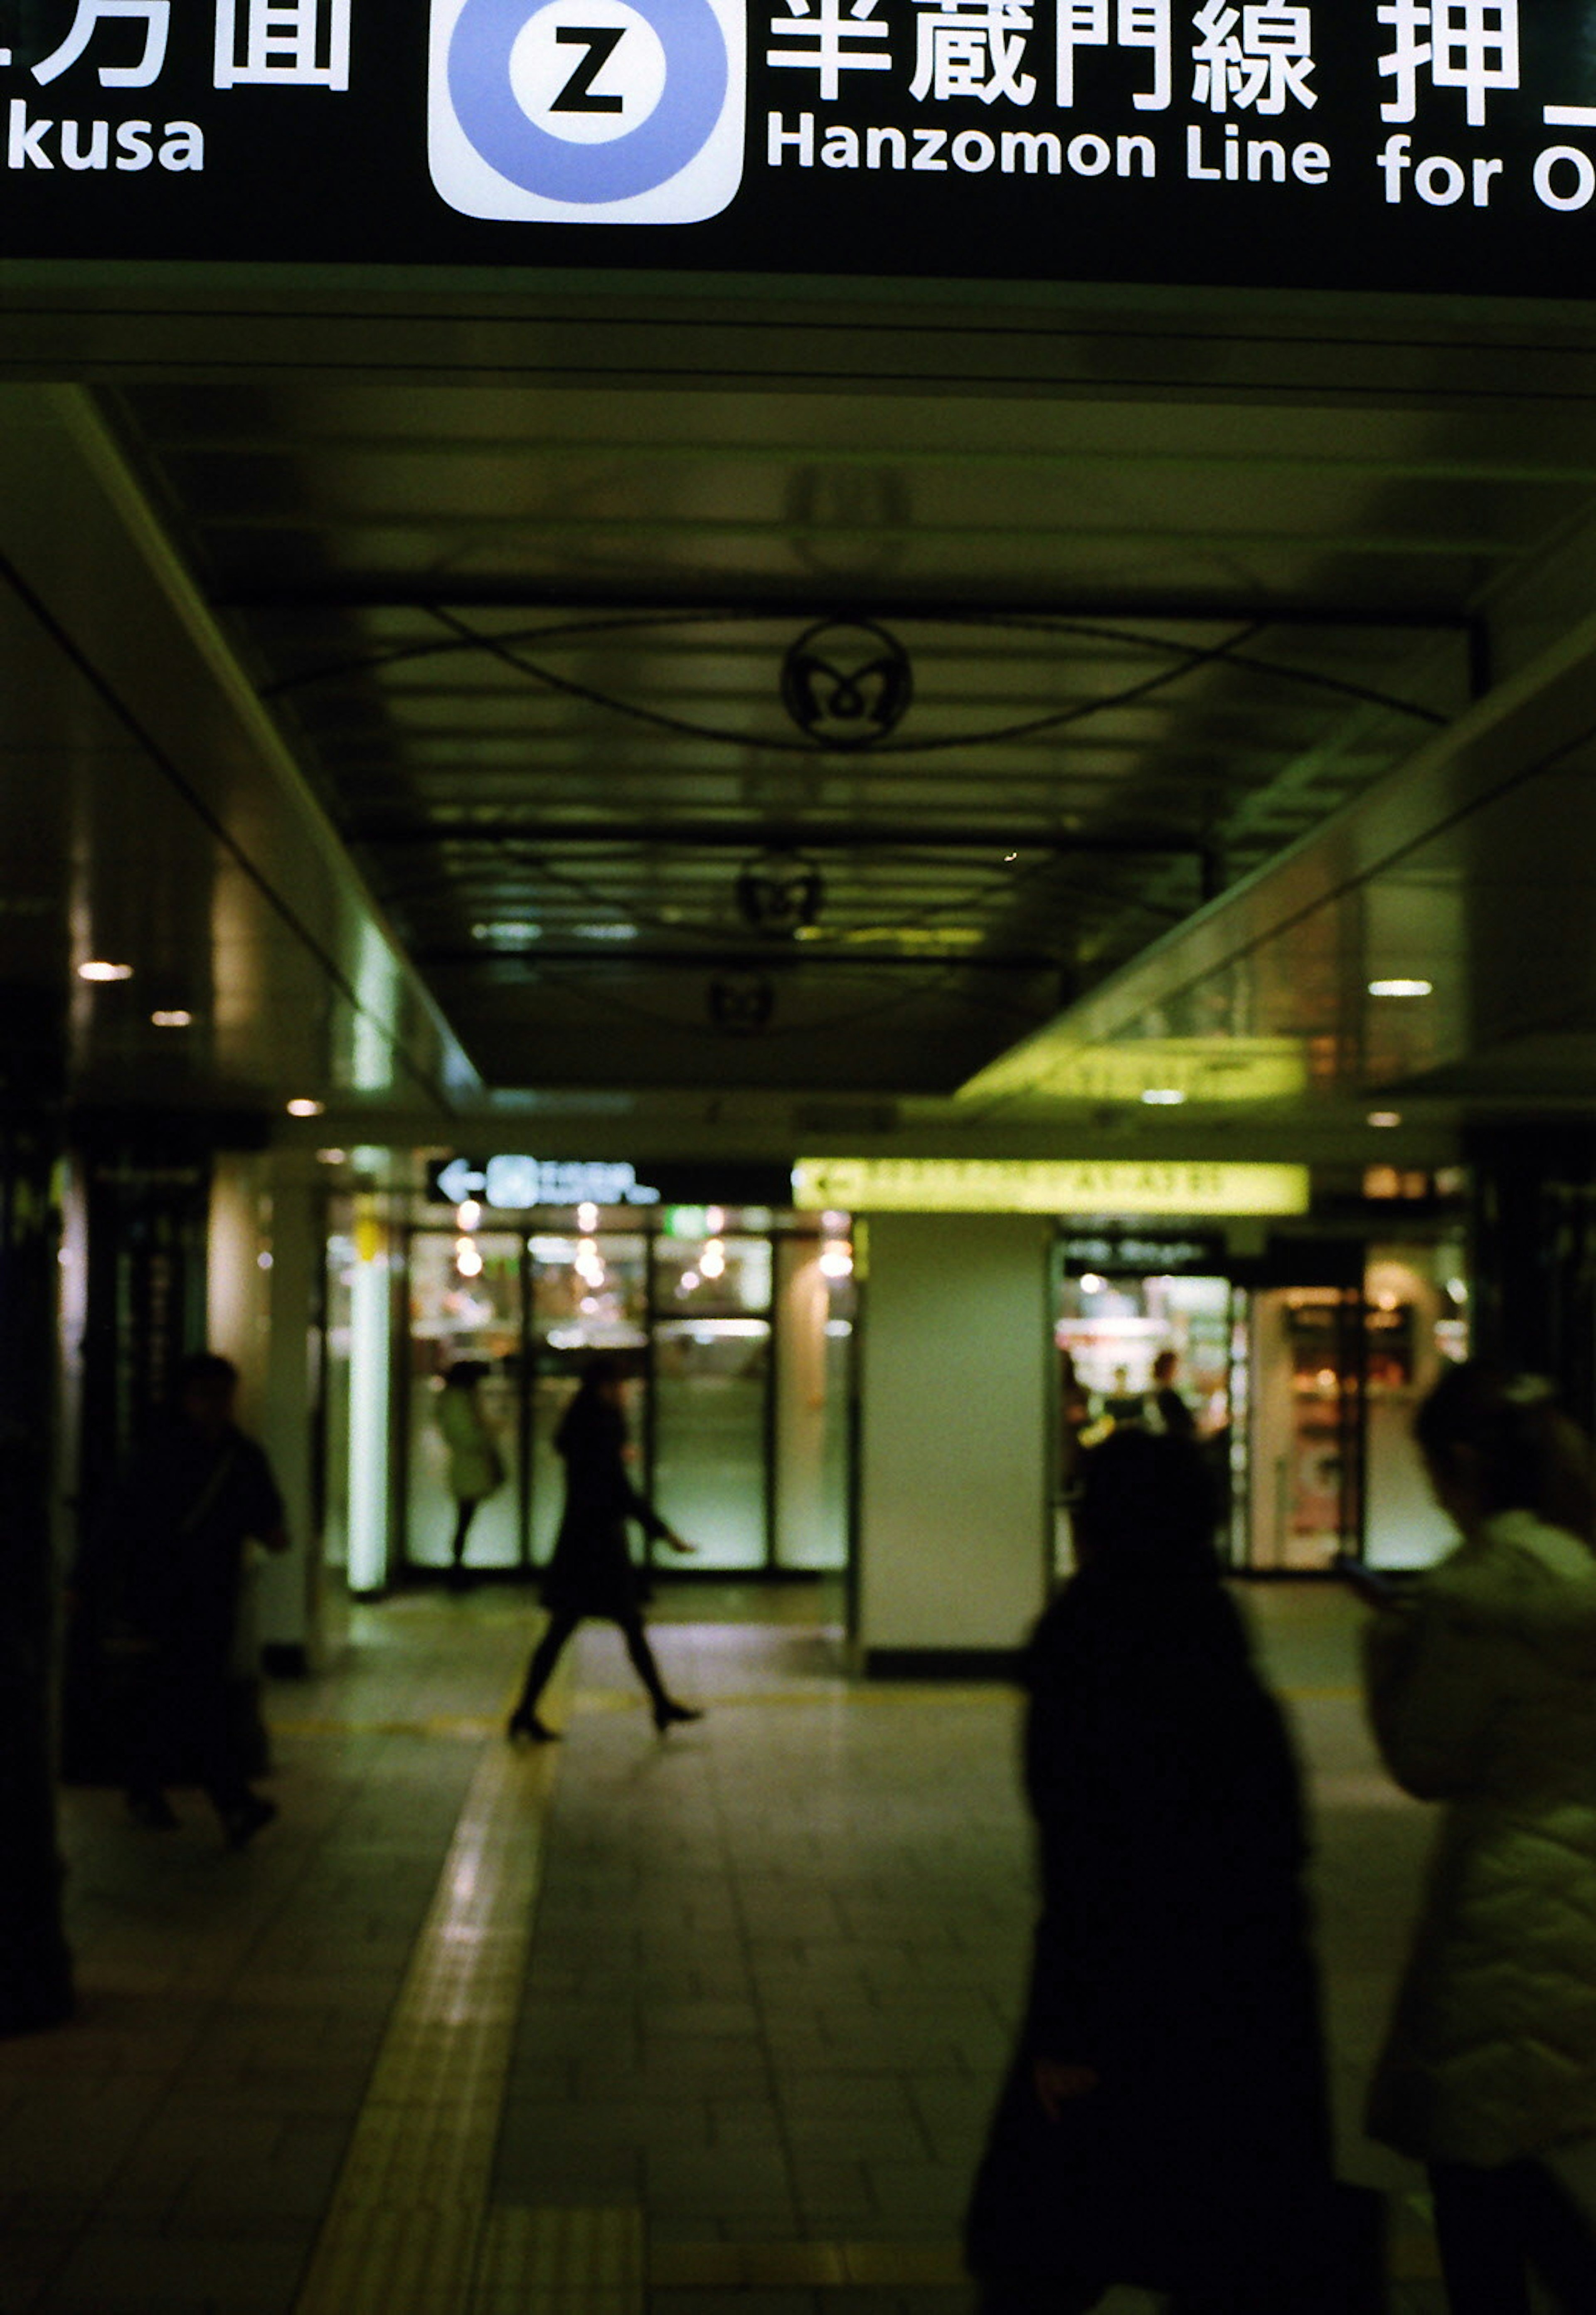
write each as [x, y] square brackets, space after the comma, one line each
[1343, 144]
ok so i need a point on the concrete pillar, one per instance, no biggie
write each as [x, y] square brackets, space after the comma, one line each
[35, 1965]
[957, 1362]
[1533, 1253]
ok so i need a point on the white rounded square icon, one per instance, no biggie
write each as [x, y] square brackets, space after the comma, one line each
[587, 111]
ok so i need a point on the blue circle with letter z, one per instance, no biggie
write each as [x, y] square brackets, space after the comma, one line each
[681, 125]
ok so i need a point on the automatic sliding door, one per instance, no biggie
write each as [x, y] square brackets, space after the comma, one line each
[711, 1405]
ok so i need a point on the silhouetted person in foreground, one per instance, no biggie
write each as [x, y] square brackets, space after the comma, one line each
[592, 1572]
[476, 1467]
[1482, 1688]
[176, 1531]
[1164, 2122]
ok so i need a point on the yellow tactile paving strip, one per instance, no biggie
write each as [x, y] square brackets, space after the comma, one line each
[408, 2225]
[805, 2266]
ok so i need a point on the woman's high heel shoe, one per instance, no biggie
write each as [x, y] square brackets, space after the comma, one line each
[667, 1713]
[524, 1721]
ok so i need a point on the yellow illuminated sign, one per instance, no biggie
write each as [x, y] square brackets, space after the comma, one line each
[1197, 1068]
[1013, 1185]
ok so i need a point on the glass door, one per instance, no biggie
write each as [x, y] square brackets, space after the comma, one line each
[1307, 1492]
[473, 1313]
[711, 1442]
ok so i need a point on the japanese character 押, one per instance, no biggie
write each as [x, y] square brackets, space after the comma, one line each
[1471, 44]
[825, 30]
[1268, 63]
[972, 48]
[1137, 25]
[282, 41]
[156, 18]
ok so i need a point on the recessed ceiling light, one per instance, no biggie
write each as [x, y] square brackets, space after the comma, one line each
[97, 969]
[176, 1019]
[305, 1108]
[1385, 1117]
[1163, 1097]
[1401, 988]
[517, 934]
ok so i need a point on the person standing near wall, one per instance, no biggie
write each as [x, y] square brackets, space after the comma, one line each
[1481, 1682]
[591, 1571]
[174, 1537]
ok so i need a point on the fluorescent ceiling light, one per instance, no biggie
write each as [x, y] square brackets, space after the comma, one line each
[1401, 988]
[97, 969]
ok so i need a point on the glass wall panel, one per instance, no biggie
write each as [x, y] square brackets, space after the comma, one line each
[454, 1316]
[712, 1396]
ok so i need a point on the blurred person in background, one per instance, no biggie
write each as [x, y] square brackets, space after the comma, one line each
[173, 1541]
[476, 1467]
[592, 1572]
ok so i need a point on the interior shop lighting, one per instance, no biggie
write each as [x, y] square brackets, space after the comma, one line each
[99, 967]
[468, 1214]
[586, 1219]
[305, 1107]
[836, 1260]
[714, 1220]
[1162, 1097]
[468, 1260]
[1091, 1283]
[1401, 988]
[834, 1224]
[332, 1156]
[689, 1280]
[175, 1019]
[1385, 1117]
[712, 1262]
[607, 932]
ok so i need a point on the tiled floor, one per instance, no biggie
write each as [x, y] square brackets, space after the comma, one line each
[773, 1967]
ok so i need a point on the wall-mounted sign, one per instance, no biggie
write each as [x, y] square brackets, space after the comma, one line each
[1053, 1066]
[1123, 1253]
[1308, 145]
[1023, 1185]
[516, 1184]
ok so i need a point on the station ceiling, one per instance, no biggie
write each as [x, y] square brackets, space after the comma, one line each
[529, 604]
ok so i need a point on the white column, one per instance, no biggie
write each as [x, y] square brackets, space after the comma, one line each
[370, 1392]
[809, 1532]
[954, 1523]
